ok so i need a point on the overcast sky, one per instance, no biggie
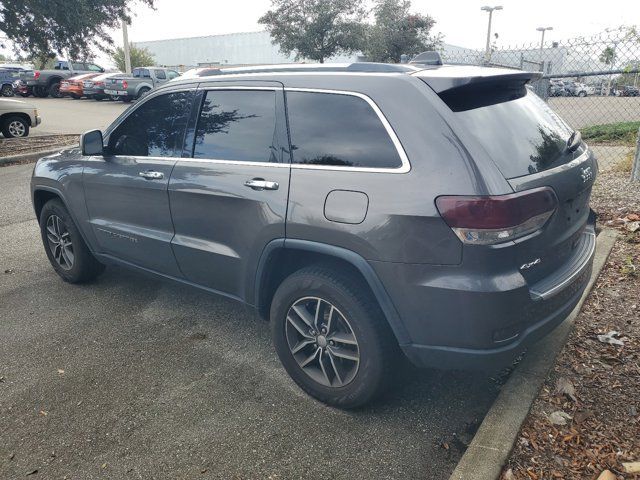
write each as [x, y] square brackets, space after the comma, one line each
[461, 21]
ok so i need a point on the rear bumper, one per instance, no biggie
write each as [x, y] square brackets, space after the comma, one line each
[456, 320]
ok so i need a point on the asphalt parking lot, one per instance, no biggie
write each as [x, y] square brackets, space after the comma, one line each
[129, 377]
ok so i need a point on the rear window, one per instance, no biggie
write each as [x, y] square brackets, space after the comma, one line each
[522, 136]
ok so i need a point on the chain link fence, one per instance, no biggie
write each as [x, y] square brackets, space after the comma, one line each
[591, 82]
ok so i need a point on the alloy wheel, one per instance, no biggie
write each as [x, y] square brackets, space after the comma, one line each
[59, 240]
[17, 128]
[322, 342]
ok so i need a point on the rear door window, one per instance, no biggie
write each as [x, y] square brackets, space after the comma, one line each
[522, 136]
[160, 75]
[154, 129]
[338, 130]
[237, 125]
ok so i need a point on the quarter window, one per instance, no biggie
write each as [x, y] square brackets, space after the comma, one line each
[155, 129]
[338, 129]
[237, 125]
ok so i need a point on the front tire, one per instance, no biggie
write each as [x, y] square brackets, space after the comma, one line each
[15, 127]
[6, 91]
[67, 252]
[332, 337]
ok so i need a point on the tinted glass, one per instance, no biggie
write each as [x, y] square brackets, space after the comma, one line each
[160, 74]
[237, 125]
[332, 129]
[173, 74]
[93, 68]
[155, 129]
[522, 136]
[79, 66]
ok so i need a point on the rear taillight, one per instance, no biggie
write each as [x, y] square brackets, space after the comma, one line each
[101, 84]
[36, 74]
[495, 219]
[124, 84]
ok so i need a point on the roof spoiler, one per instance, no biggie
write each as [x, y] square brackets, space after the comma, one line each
[430, 57]
[440, 81]
[466, 88]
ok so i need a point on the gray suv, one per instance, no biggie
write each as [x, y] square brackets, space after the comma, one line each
[365, 210]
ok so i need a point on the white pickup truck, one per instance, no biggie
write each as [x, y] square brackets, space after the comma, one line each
[139, 83]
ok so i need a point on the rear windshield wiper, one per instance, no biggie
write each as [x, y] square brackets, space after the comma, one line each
[573, 142]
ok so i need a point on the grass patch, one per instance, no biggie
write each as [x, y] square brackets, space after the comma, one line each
[621, 133]
[624, 165]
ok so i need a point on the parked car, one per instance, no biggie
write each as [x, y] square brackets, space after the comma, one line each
[94, 87]
[74, 86]
[628, 91]
[21, 88]
[576, 89]
[141, 82]
[439, 212]
[7, 78]
[17, 117]
[557, 89]
[47, 82]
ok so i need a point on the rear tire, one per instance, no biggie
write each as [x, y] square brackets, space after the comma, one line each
[67, 252]
[54, 90]
[40, 92]
[143, 91]
[126, 99]
[342, 373]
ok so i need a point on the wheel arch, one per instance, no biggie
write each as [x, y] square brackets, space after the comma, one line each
[281, 257]
[53, 80]
[22, 115]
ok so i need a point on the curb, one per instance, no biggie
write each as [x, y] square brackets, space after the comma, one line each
[31, 156]
[492, 443]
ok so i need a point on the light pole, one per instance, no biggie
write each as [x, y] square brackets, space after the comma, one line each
[487, 53]
[127, 54]
[543, 29]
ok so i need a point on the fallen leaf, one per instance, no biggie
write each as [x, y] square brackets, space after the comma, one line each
[607, 475]
[508, 475]
[610, 338]
[104, 465]
[564, 386]
[32, 472]
[60, 371]
[632, 226]
[12, 456]
[43, 413]
[581, 416]
[559, 417]
[632, 217]
[631, 467]
[9, 271]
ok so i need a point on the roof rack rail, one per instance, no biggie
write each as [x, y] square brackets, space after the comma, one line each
[362, 67]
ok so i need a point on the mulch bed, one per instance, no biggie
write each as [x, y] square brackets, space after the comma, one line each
[17, 146]
[594, 388]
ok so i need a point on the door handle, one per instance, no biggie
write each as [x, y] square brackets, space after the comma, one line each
[261, 184]
[152, 175]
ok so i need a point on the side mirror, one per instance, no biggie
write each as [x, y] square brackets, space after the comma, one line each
[91, 143]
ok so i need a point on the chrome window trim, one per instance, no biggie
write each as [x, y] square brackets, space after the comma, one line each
[404, 168]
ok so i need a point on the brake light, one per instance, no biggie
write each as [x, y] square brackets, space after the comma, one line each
[101, 84]
[125, 85]
[487, 220]
[36, 74]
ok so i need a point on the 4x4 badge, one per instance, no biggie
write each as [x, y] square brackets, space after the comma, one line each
[526, 266]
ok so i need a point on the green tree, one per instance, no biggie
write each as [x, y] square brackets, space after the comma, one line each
[316, 29]
[608, 56]
[398, 31]
[140, 57]
[45, 27]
